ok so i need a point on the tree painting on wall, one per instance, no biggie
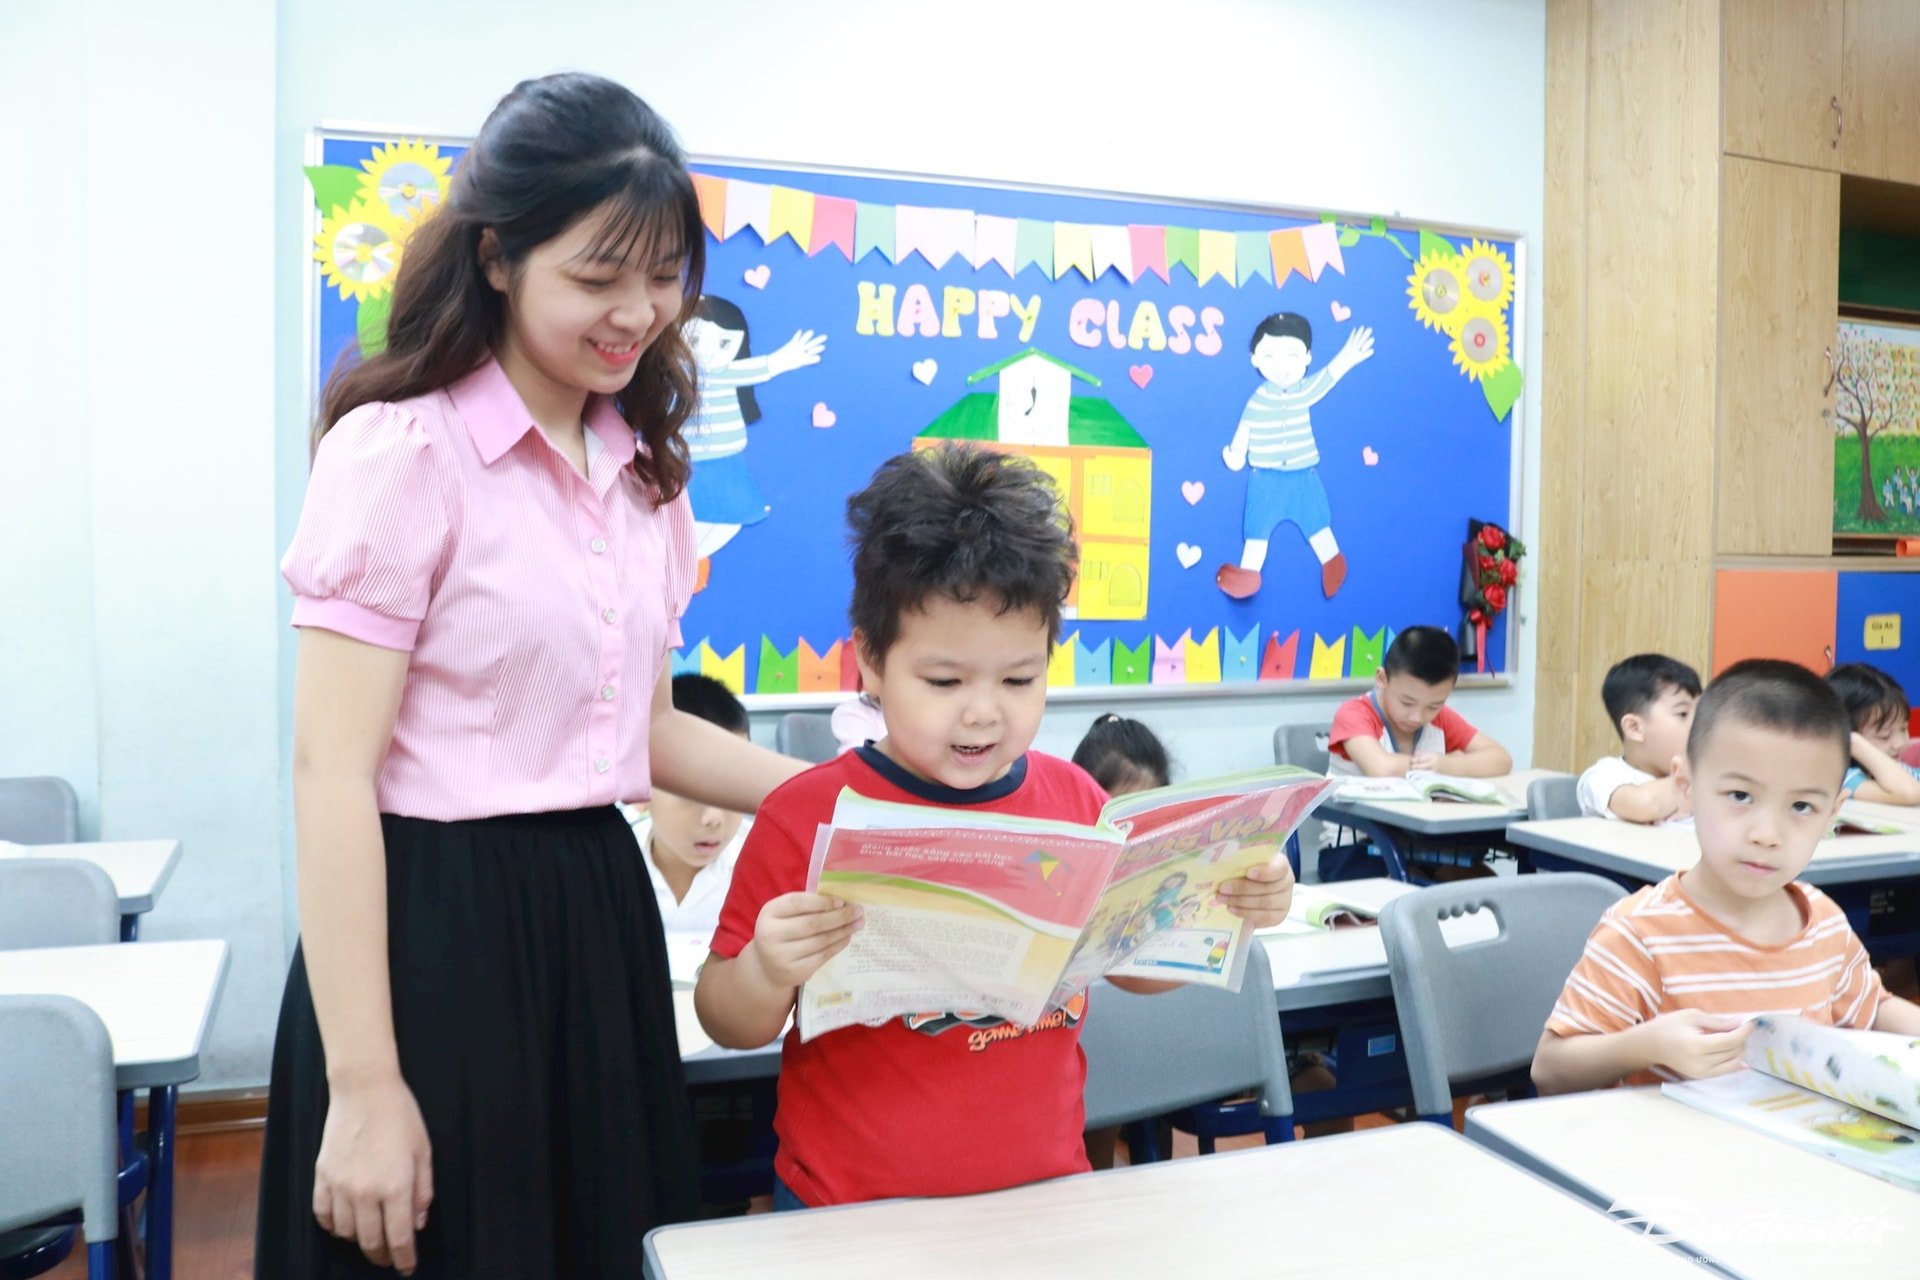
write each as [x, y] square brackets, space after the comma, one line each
[1876, 429]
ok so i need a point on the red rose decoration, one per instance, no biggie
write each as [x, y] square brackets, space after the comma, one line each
[1509, 572]
[1487, 563]
[1491, 538]
[1476, 617]
[1496, 598]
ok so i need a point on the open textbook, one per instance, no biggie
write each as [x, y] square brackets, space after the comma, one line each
[1318, 907]
[1003, 916]
[1851, 1096]
[1423, 785]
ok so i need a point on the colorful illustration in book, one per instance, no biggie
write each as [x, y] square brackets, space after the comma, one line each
[1275, 438]
[724, 496]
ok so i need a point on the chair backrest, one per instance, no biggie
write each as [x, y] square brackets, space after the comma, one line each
[1553, 798]
[1304, 746]
[57, 1112]
[1478, 1009]
[56, 902]
[1147, 1055]
[806, 735]
[39, 811]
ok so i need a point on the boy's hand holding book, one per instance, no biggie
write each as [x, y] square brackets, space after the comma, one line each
[1696, 1044]
[796, 933]
[1263, 896]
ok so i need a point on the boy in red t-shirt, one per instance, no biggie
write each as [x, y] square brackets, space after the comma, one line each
[962, 562]
[1404, 724]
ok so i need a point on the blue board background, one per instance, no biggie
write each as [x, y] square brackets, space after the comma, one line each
[1442, 455]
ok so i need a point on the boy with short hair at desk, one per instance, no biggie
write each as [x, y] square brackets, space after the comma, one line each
[961, 566]
[1673, 974]
[1404, 724]
[1877, 706]
[1650, 699]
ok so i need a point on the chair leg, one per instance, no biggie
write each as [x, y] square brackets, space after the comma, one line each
[1205, 1142]
[100, 1260]
[1279, 1129]
[160, 1124]
[1143, 1143]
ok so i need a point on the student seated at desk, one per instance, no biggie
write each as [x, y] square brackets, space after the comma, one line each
[1650, 700]
[1672, 974]
[689, 846]
[1404, 724]
[1877, 706]
[961, 566]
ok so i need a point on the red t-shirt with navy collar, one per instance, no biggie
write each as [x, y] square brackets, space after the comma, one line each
[940, 1103]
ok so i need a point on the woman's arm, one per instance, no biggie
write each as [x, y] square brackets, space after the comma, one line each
[701, 761]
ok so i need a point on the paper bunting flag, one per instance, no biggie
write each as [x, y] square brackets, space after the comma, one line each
[1060, 668]
[1072, 249]
[713, 202]
[778, 672]
[730, 671]
[995, 240]
[934, 234]
[1203, 658]
[1131, 666]
[1170, 660]
[1240, 659]
[873, 229]
[833, 223]
[849, 667]
[1216, 256]
[1183, 250]
[688, 661]
[1148, 246]
[1329, 660]
[749, 204]
[1112, 251]
[1033, 246]
[1366, 653]
[819, 672]
[1289, 255]
[1281, 657]
[1252, 256]
[1322, 243]
[1093, 666]
[790, 213]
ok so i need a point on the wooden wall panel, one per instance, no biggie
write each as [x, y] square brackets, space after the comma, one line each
[1880, 90]
[1780, 65]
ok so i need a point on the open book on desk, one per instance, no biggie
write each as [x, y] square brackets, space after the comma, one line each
[1004, 916]
[1317, 908]
[1851, 1096]
[1423, 785]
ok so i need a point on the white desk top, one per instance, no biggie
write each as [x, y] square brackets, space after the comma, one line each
[1299, 1209]
[139, 869]
[1338, 966]
[1754, 1204]
[156, 998]
[1442, 817]
[1654, 853]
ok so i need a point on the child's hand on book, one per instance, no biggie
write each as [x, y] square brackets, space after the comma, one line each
[1422, 762]
[1696, 1045]
[796, 933]
[1264, 895]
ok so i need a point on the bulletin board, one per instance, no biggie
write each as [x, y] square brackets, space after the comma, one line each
[1110, 338]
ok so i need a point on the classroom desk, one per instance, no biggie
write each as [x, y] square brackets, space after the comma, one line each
[1297, 1209]
[1389, 823]
[157, 1000]
[139, 870]
[1754, 1205]
[1874, 879]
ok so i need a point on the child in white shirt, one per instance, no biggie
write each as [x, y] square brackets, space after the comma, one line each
[1650, 700]
[690, 847]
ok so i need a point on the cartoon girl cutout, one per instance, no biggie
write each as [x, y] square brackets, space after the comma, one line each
[724, 496]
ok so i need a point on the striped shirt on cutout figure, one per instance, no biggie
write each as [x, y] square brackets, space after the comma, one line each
[1276, 436]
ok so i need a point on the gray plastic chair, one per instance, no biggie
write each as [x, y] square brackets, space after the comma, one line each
[1553, 798]
[806, 735]
[57, 1115]
[1151, 1055]
[1476, 1011]
[39, 811]
[56, 902]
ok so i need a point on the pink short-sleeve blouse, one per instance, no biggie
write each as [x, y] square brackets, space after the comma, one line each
[537, 605]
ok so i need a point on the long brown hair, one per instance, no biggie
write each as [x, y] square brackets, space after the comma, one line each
[553, 151]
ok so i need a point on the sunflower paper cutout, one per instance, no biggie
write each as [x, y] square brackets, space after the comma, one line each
[358, 249]
[1480, 348]
[1437, 291]
[1488, 277]
[410, 178]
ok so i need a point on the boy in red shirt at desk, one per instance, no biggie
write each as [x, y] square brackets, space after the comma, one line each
[962, 561]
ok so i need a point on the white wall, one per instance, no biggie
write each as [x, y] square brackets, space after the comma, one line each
[151, 471]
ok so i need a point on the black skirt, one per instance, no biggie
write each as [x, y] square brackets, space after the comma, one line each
[534, 1017]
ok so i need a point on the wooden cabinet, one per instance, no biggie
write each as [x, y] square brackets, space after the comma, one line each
[1780, 66]
[1880, 90]
[1779, 293]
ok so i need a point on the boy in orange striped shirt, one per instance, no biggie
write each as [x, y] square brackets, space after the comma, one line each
[1672, 975]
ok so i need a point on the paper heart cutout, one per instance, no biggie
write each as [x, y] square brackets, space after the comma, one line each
[1368, 456]
[1141, 374]
[824, 417]
[924, 371]
[758, 276]
[1187, 554]
[1341, 313]
[1193, 491]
